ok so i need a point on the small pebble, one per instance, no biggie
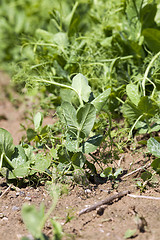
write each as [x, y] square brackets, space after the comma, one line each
[1, 215]
[5, 219]
[15, 208]
[88, 191]
[28, 198]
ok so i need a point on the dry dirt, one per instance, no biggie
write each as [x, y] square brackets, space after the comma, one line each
[118, 216]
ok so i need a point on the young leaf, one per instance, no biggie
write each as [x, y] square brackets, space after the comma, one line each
[6, 143]
[152, 39]
[130, 233]
[57, 230]
[6, 149]
[133, 93]
[41, 163]
[80, 84]
[69, 113]
[147, 107]
[154, 147]
[107, 172]
[78, 159]
[86, 116]
[130, 111]
[156, 165]
[38, 119]
[31, 134]
[146, 176]
[92, 143]
[33, 219]
[100, 101]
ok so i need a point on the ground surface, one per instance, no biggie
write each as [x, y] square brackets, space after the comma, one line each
[117, 218]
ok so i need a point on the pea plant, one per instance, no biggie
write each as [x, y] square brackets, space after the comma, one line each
[77, 114]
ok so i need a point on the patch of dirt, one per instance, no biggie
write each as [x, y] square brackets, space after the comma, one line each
[119, 216]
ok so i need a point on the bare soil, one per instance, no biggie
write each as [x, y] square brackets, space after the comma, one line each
[119, 216]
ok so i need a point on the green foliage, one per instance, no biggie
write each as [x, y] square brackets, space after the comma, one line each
[20, 160]
[35, 220]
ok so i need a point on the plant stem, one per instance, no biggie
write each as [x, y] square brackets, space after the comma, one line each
[147, 72]
[63, 86]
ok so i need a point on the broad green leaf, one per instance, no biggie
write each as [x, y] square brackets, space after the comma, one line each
[147, 15]
[92, 143]
[71, 143]
[45, 35]
[86, 116]
[38, 119]
[61, 40]
[147, 107]
[6, 149]
[40, 164]
[6, 143]
[20, 172]
[154, 147]
[152, 39]
[80, 84]
[78, 159]
[100, 101]
[19, 157]
[31, 134]
[133, 93]
[130, 111]
[146, 176]
[20, 163]
[33, 219]
[69, 113]
[156, 165]
[130, 233]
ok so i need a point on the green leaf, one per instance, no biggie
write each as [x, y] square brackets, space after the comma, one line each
[156, 165]
[146, 176]
[133, 93]
[100, 101]
[130, 233]
[31, 134]
[57, 230]
[152, 39]
[38, 119]
[69, 113]
[107, 172]
[41, 163]
[71, 143]
[78, 159]
[154, 147]
[147, 107]
[6, 149]
[118, 172]
[6, 143]
[33, 219]
[92, 143]
[80, 84]
[130, 111]
[86, 116]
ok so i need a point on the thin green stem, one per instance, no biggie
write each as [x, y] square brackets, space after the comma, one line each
[147, 72]
[1, 161]
[63, 86]
[130, 133]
